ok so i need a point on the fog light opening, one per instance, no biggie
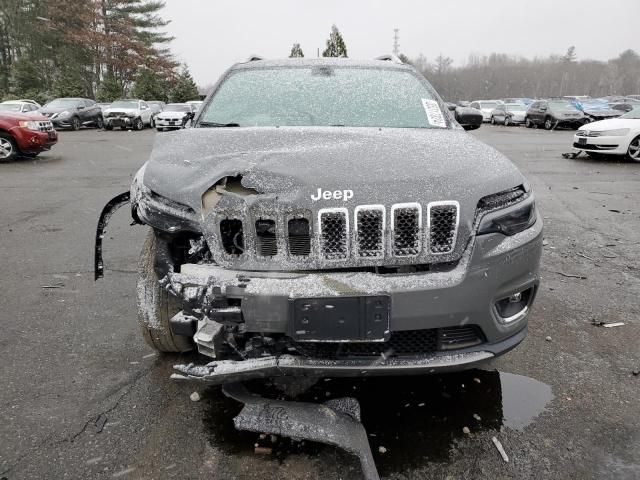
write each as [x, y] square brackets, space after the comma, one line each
[514, 307]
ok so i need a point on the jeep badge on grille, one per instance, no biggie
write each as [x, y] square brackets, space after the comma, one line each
[343, 195]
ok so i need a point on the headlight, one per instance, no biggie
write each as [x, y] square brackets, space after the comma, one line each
[517, 218]
[158, 211]
[29, 125]
[64, 114]
[621, 132]
[131, 114]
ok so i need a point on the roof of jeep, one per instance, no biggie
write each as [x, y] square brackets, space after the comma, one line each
[328, 61]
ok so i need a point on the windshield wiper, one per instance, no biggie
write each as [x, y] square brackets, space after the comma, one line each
[215, 124]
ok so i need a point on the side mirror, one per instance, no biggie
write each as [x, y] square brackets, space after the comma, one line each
[543, 109]
[451, 106]
[469, 118]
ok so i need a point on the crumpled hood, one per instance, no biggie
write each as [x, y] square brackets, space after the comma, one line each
[119, 110]
[379, 165]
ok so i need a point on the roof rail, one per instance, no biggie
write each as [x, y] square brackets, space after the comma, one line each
[389, 58]
[254, 58]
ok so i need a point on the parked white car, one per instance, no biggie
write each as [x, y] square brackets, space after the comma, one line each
[486, 107]
[127, 114]
[615, 136]
[174, 116]
[19, 106]
[509, 114]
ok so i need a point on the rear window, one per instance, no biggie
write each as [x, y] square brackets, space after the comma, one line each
[324, 96]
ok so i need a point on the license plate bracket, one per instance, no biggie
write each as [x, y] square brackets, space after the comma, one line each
[340, 319]
[582, 141]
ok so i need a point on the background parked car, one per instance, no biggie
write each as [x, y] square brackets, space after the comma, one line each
[522, 100]
[509, 114]
[615, 136]
[596, 109]
[486, 107]
[175, 116]
[103, 106]
[624, 104]
[554, 113]
[195, 104]
[73, 113]
[127, 114]
[156, 107]
[18, 106]
[27, 135]
[468, 118]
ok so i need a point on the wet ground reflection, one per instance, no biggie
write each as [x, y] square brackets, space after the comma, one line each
[415, 419]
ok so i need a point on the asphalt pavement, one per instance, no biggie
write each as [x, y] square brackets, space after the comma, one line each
[83, 397]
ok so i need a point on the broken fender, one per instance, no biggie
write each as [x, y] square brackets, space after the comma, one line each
[109, 209]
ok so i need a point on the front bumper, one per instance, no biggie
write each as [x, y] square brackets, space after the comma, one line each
[169, 123]
[493, 268]
[611, 145]
[119, 121]
[31, 141]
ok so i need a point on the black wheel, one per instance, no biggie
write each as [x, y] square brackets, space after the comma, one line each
[507, 121]
[528, 123]
[152, 123]
[100, 122]
[493, 120]
[548, 123]
[138, 124]
[160, 129]
[108, 127]
[633, 152]
[8, 148]
[156, 306]
[75, 124]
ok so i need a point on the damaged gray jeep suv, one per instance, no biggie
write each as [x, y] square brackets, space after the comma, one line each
[330, 217]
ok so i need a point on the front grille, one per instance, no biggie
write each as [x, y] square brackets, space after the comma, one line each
[406, 226]
[232, 235]
[443, 226]
[299, 237]
[334, 233]
[406, 343]
[266, 242]
[370, 224]
[45, 126]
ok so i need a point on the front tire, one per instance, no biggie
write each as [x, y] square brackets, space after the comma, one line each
[75, 124]
[108, 127]
[548, 123]
[8, 148]
[507, 121]
[493, 120]
[100, 123]
[633, 152]
[139, 124]
[156, 306]
[528, 123]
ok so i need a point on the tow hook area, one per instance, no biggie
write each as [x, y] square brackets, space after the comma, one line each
[336, 422]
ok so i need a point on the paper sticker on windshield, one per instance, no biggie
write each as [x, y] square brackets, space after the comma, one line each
[434, 115]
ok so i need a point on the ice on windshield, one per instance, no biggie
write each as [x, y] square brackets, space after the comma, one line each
[321, 96]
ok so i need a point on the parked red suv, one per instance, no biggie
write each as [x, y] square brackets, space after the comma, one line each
[25, 135]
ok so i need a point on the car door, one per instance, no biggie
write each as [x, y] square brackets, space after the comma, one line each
[498, 113]
[534, 112]
[92, 110]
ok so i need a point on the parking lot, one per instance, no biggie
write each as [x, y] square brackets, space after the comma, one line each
[84, 397]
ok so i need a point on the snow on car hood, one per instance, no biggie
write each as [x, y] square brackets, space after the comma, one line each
[119, 110]
[381, 166]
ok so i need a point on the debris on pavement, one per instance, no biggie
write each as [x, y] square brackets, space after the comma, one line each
[635, 373]
[607, 325]
[54, 285]
[382, 449]
[477, 417]
[262, 450]
[100, 423]
[498, 445]
[466, 430]
[195, 397]
[548, 338]
[571, 275]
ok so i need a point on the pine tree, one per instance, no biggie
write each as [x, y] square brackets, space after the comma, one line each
[296, 51]
[149, 86]
[185, 88]
[336, 46]
[570, 56]
[109, 90]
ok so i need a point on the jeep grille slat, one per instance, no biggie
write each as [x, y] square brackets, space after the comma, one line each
[266, 241]
[334, 233]
[406, 225]
[299, 237]
[232, 236]
[369, 226]
[443, 226]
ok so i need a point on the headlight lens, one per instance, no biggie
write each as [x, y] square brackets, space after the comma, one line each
[518, 218]
[620, 132]
[29, 125]
[64, 114]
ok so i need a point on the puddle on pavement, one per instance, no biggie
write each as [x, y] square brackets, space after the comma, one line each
[415, 418]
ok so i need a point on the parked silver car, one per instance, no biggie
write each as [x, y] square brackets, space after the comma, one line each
[127, 114]
[509, 114]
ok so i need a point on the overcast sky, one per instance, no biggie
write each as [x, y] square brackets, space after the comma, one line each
[213, 34]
